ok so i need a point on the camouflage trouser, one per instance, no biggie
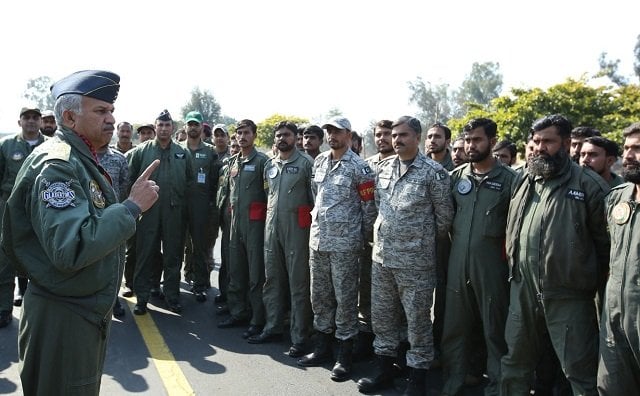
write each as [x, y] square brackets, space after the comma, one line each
[334, 292]
[393, 289]
[364, 290]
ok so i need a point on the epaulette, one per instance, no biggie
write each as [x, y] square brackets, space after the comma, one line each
[57, 149]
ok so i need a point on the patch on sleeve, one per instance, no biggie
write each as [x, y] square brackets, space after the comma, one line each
[441, 175]
[366, 170]
[58, 195]
[366, 190]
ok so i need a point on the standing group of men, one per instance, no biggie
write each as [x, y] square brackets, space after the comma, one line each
[516, 257]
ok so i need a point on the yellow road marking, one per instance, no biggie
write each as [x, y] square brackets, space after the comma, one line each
[172, 376]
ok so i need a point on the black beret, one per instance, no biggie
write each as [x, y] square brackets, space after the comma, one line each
[164, 116]
[98, 84]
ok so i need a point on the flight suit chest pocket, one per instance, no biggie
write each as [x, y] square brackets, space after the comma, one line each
[495, 216]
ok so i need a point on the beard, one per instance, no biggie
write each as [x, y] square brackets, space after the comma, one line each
[385, 150]
[546, 165]
[285, 147]
[631, 171]
[479, 156]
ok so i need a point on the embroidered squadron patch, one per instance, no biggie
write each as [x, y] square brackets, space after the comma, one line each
[621, 213]
[272, 172]
[464, 186]
[441, 175]
[58, 194]
[96, 194]
[17, 156]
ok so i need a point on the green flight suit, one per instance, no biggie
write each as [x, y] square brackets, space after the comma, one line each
[202, 212]
[222, 201]
[165, 222]
[65, 229]
[248, 203]
[13, 151]
[286, 241]
[619, 367]
[558, 252]
[477, 280]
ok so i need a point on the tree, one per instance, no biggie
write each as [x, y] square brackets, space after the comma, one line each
[38, 92]
[205, 103]
[432, 101]
[481, 86]
[609, 68]
[265, 128]
[609, 110]
[636, 53]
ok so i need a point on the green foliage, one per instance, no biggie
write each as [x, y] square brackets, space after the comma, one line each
[205, 103]
[265, 128]
[38, 92]
[608, 109]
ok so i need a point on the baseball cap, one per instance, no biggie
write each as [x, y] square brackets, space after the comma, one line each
[193, 116]
[150, 126]
[338, 122]
[47, 113]
[30, 110]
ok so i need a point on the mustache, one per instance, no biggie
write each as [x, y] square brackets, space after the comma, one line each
[109, 127]
[631, 163]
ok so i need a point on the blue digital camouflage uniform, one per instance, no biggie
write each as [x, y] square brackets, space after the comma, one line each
[342, 217]
[414, 208]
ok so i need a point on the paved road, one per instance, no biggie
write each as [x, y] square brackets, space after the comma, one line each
[166, 354]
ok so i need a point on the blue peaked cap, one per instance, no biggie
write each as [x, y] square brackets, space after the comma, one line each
[98, 84]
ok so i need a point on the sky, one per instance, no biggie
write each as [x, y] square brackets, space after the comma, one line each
[303, 58]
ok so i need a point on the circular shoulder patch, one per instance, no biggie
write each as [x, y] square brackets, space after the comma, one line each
[272, 172]
[621, 212]
[59, 195]
[464, 186]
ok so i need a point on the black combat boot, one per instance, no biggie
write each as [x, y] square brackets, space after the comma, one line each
[342, 369]
[321, 353]
[382, 377]
[417, 383]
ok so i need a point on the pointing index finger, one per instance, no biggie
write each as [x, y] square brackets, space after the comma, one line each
[147, 172]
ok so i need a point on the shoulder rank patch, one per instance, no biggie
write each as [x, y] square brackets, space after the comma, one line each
[366, 170]
[59, 150]
[576, 194]
[441, 175]
[58, 195]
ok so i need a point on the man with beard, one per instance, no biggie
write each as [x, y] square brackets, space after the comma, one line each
[599, 154]
[313, 137]
[477, 287]
[248, 203]
[578, 136]
[125, 132]
[506, 152]
[343, 216]
[201, 204]
[436, 145]
[13, 151]
[619, 367]
[48, 127]
[290, 200]
[458, 156]
[558, 252]
[164, 224]
[413, 195]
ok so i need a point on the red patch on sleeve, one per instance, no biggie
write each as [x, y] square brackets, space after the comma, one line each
[366, 190]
